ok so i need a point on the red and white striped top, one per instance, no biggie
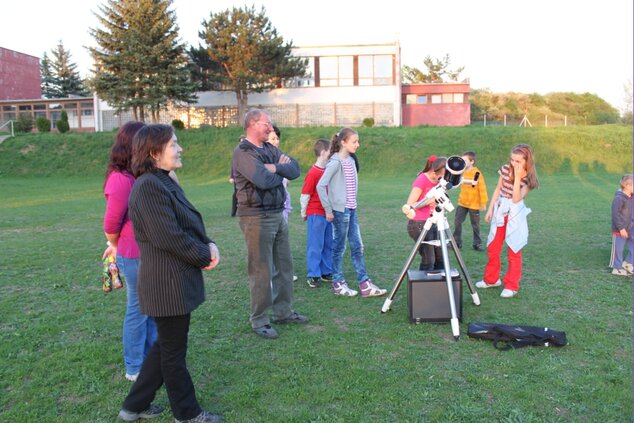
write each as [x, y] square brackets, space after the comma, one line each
[506, 190]
[351, 182]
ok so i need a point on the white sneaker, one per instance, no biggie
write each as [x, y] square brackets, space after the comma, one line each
[620, 272]
[507, 293]
[628, 267]
[341, 288]
[131, 378]
[484, 285]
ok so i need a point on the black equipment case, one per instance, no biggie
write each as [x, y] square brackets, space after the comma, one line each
[427, 296]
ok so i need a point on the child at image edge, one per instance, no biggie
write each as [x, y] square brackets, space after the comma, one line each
[507, 214]
[473, 198]
[337, 191]
[622, 222]
[318, 228]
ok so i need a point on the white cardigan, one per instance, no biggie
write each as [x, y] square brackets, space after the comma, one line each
[517, 226]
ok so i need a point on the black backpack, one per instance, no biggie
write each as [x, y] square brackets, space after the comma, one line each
[516, 336]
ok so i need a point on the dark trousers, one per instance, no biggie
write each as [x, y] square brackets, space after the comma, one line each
[430, 255]
[166, 363]
[474, 216]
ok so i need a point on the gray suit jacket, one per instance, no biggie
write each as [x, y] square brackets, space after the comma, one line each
[173, 246]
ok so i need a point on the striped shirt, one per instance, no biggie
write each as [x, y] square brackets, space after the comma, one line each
[349, 171]
[506, 190]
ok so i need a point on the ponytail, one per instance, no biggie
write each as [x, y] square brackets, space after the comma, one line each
[338, 138]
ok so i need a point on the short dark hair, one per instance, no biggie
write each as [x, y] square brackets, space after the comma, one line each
[149, 141]
[470, 154]
[276, 130]
[321, 145]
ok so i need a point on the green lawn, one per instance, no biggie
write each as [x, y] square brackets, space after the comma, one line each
[60, 336]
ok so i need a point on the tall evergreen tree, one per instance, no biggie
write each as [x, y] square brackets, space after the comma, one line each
[49, 86]
[67, 78]
[248, 52]
[139, 62]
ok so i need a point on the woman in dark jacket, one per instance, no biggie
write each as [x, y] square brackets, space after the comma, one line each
[174, 248]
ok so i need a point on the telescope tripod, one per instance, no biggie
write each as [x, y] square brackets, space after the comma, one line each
[439, 219]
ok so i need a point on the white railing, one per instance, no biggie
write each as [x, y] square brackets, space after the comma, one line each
[9, 123]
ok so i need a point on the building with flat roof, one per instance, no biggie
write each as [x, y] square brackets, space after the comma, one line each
[19, 75]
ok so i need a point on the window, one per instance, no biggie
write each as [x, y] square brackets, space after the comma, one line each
[421, 99]
[336, 71]
[458, 98]
[307, 81]
[25, 107]
[70, 106]
[436, 99]
[8, 108]
[375, 70]
[39, 107]
[447, 98]
[410, 98]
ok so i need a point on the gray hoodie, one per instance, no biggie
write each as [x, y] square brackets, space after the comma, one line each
[332, 186]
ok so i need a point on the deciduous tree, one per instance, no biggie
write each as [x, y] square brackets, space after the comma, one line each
[437, 71]
[248, 54]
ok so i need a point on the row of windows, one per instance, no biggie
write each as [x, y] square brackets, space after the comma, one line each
[51, 106]
[446, 98]
[342, 71]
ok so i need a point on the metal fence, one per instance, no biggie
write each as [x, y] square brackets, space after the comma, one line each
[287, 115]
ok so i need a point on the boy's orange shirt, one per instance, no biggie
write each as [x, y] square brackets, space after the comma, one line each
[471, 197]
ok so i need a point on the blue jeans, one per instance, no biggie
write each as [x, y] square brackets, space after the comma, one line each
[345, 226]
[318, 246]
[139, 330]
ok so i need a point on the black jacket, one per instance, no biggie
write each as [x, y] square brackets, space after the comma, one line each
[173, 246]
[258, 190]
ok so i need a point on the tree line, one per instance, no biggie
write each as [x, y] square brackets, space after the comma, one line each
[141, 65]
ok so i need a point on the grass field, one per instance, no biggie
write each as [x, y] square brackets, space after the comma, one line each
[60, 336]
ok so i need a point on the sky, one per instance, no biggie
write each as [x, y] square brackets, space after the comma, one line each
[537, 46]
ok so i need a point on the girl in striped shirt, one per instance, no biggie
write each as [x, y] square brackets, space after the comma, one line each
[337, 189]
[507, 215]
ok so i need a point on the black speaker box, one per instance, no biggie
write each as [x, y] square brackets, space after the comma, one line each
[428, 299]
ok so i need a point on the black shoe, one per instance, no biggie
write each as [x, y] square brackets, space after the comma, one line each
[292, 318]
[151, 412]
[478, 248]
[266, 331]
[327, 278]
[459, 245]
[313, 282]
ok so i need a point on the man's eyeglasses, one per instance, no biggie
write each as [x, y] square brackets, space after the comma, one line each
[265, 123]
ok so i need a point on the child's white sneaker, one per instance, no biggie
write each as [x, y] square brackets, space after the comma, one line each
[341, 288]
[482, 284]
[507, 293]
[620, 272]
[628, 267]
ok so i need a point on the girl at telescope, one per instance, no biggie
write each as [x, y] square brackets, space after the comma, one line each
[432, 173]
[507, 215]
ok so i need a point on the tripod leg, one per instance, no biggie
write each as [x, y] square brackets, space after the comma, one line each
[463, 267]
[455, 326]
[408, 263]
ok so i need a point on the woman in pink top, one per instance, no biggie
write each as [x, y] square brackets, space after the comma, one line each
[139, 330]
[431, 256]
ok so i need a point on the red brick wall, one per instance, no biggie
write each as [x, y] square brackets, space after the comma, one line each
[19, 76]
[448, 114]
[436, 114]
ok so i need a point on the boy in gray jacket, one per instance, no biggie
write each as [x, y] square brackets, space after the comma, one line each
[622, 236]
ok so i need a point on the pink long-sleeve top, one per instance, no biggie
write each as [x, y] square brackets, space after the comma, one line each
[116, 220]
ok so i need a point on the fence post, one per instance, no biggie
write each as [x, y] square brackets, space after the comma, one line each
[485, 119]
[505, 120]
[546, 121]
[565, 120]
